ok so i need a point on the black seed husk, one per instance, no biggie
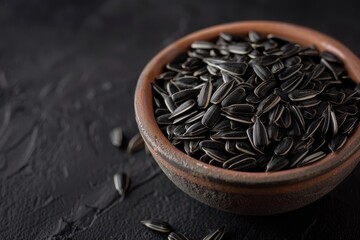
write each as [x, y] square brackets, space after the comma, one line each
[116, 136]
[121, 183]
[157, 225]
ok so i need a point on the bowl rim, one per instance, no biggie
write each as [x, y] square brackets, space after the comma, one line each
[160, 145]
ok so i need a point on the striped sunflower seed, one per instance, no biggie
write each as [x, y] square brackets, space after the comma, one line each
[284, 147]
[221, 92]
[277, 163]
[157, 225]
[260, 137]
[121, 183]
[218, 234]
[176, 236]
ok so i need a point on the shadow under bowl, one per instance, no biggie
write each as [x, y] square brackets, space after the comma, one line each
[246, 192]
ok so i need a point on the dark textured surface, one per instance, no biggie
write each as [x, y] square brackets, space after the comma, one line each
[68, 73]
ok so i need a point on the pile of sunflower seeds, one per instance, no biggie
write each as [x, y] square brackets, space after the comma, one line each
[256, 103]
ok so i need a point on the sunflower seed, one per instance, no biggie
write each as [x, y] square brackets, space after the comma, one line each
[267, 104]
[313, 127]
[303, 94]
[277, 67]
[116, 137]
[222, 125]
[221, 92]
[290, 49]
[195, 129]
[298, 156]
[261, 163]
[252, 98]
[266, 60]
[260, 136]
[295, 130]
[237, 125]
[295, 60]
[334, 97]
[185, 116]
[277, 163]
[254, 37]
[202, 45]
[240, 48]
[241, 163]
[263, 72]
[205, 158]
[309, 103]
[309, 51]
[171, 88]
[297, 113]
[306, 80]
[240, 118]
[309, 113]
[122, 183]
[176, 236]
[233, 68]
[136, 143]
[285, 119]
[157, 225]
[328, 66]
[327, 119]
[275, 113]
[318, 70]
[220, 156]
[348, 109]
[273, 132]
[204, 96]
[184, 107]
[265, 88]
[230, 135]
[289, 71]
[312, 158]
[284, 146]
[337, 142]
[185, 82]
[292, 83]
[210, 144]
[195, 117]
[328, 56]
[235, 96]
[218, 234]
[169, 103]
[246, 148]
[184, 95]
[230, 147]
[211, 116]
[348, 125]
[238, 109]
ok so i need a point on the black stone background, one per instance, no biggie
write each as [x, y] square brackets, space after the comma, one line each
[68, 75]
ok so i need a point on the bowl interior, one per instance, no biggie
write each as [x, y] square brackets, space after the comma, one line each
[160, 145]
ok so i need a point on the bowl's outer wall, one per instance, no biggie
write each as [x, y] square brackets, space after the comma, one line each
[246, 193]
[250, 201]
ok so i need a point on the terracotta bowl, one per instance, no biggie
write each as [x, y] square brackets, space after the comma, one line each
[244, 192]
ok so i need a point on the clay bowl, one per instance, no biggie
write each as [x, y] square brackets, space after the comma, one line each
[243, 192]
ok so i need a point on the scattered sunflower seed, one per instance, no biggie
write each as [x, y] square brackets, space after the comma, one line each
[116, 136]
[176, 236]
[218, 234]
[136, 143]
[157, 225]
[121, 183]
